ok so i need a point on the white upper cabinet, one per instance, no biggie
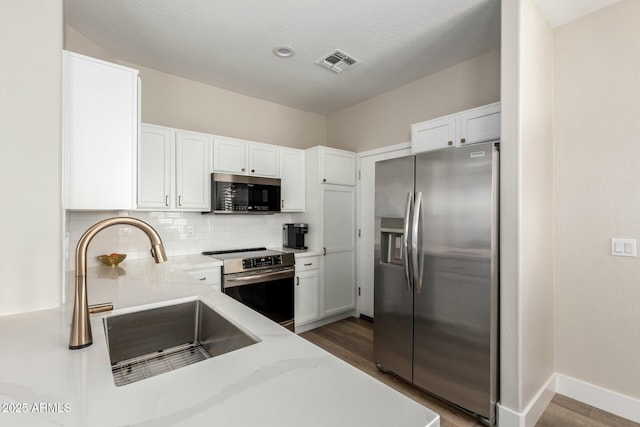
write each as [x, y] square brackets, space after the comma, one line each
[292, 190]
[100, 133]
[433, 134]
[479, 124]
[174, 169]
[193, 171]
[263, 160]
[337, 166]
[467, 127]
[242, 157]
[229, 155]
[155, 160]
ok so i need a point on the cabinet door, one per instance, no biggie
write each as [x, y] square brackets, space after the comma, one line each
[193, 171]
[292, 189]
[263, 160]
[337, 167]
[207, 276]
[306, 297]
[154, 167]
[479, 125]
[100, 131]
[229, 155]
[338, 229]
[433, 134]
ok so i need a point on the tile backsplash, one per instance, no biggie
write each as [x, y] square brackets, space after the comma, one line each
[210, 232]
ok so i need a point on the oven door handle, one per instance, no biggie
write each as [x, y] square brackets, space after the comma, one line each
[230, 282]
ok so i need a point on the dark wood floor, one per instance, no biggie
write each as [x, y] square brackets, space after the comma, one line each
[352, 341]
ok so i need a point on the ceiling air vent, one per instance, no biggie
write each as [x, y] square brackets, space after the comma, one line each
[337, 61]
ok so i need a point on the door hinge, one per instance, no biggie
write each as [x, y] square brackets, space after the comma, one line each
[359, 175]
[358, 290]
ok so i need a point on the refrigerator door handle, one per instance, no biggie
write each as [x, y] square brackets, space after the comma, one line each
[405, 239]
[417, 273]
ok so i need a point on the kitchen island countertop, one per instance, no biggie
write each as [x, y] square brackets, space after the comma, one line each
[283, 380]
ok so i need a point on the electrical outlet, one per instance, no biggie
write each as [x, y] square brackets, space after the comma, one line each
[191, 229]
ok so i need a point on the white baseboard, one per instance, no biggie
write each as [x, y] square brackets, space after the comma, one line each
[599, 397]
[312, 325]
[532, 413]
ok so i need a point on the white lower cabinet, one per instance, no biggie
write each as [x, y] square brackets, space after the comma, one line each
[207, 276]
[306, 297]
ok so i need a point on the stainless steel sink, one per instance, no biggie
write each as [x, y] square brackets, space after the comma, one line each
[150, 342]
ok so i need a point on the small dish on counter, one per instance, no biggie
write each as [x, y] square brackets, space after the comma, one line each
[112, 260]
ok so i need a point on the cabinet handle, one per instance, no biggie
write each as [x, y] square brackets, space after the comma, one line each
[166, 200]
[463, 140]
[282, 203]
[324, 251]
[202, 279]
[308, 264]
[179, 200]
[324, 179]
[450, 143]
[243, 169]
[297, 281]
[253, 170]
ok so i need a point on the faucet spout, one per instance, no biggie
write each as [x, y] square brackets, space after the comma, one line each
[80, 325]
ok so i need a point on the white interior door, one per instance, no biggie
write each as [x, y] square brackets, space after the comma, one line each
[366, 213]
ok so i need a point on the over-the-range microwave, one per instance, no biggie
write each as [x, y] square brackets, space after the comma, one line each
[240, 194]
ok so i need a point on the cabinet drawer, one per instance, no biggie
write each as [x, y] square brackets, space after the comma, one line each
[207, 276]
[307, 263]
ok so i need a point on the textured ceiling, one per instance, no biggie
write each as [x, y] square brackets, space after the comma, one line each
[228, 43]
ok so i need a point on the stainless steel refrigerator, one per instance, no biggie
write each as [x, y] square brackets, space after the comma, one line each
[436, 273]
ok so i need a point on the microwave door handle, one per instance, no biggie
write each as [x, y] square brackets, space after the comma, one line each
[405, 240]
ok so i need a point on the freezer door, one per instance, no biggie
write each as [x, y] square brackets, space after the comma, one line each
[393, 296]
[455, 305]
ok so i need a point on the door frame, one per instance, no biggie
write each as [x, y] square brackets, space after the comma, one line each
[365, 190]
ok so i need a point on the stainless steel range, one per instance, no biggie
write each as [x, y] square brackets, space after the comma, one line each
[261, 279]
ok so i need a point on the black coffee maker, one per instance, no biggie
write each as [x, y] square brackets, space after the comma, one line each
[293, 235]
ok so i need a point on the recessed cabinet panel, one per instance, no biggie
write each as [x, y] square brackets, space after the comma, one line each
[306, 297]
[339, 282]
[263, 160]
[472, 126]
[339, 217]
[154, 167]
[175, 169]
[337, 166]
[479, 125]
[100, 133]
[292, 190]
[229, 155]
[433, 134]
[192, 171]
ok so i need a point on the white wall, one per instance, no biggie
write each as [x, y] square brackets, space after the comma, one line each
[527, 340]
[186, 104]
[386, 119]
[211, 232]
[30, 106]
[597, 197]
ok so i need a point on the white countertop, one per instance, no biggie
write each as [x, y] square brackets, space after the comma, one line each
[299, 253]
[281, 381]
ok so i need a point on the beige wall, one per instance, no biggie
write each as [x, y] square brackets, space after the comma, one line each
[526, 150]
[597, 197]
[386, 119]
[536, 200]
[30, 106]
[177, 102]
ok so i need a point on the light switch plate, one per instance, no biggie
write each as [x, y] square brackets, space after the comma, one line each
[624, 247]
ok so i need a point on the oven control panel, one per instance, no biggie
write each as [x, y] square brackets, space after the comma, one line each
[265, 261]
